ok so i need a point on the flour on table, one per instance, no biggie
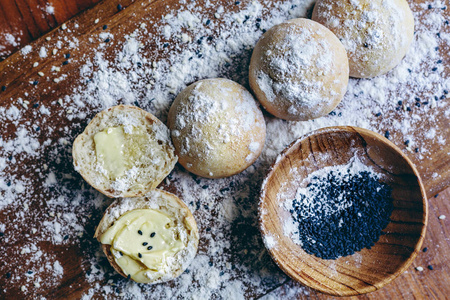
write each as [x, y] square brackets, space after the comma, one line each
[232, 262]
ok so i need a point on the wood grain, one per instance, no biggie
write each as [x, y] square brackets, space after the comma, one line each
[26, 20]
[366, 270]
[412, 284]
[16, 74]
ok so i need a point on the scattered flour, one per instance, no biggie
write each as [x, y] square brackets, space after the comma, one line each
[232, 262]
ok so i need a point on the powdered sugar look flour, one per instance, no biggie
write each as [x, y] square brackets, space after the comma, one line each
[232, 262]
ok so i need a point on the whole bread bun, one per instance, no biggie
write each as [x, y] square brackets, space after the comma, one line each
[299, 70]
[377, 34]
[143, 147]
[168, 204]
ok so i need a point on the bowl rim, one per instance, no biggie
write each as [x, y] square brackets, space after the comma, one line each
[358, 130]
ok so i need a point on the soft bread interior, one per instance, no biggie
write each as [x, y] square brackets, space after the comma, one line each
[168, 204]
[155, 159]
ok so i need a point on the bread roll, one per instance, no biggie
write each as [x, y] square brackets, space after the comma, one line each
[376, 33]
[217, 128]
[124, 152]
[149, 239]
[299, 70]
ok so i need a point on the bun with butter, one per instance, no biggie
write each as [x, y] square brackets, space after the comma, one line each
[124, 152]
[149, 239]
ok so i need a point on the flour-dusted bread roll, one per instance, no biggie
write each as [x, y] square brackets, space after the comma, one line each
[124, 152]
[149, 239]
[217, 128]
[299, 70]
[376, 33]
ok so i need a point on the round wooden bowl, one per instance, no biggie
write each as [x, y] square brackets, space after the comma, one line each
[366, 270]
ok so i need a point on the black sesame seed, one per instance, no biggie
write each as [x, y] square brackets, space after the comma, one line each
[35, 105]
[210, 38]
[149, 248]
[66, 62]
[207, 22]
[378, 114]
[3, 88]
[1, 234]
[107, 40]
[119, 7]
[140, 232]
[439, 61]
[121, 254]
[140, 255]
[443, 97]
[208, 229]
[264, 30]
[416, 150]
[258, 25]
[436, 48]
[35, 82]
[425, 103]
[418, 104]
[446, 22]
[386, 134]
[417, 99]
[8, 183]
[434, 69]
[437, 195]
[205, 187]
[144, 244]
[237, 2]
[438, 34]
[407, 142]
[445, 92]
[67, 55]
[30, 272]
[408, 108]
[165, 45]
[206, 206]
[129, 275]
[429, 6]
[430, 267]
[210, 263]
[105, 27]
[152, 234]
[8, 275]
[425, 249]
[258, 19]
[400, 102]
[66, 237]
[366, 45]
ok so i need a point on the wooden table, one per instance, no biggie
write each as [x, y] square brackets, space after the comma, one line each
[29, 20]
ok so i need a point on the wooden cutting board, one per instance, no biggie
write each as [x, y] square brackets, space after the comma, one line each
[18, 75]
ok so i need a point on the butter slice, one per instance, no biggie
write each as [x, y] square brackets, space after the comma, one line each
[109, 147]
[131, 236]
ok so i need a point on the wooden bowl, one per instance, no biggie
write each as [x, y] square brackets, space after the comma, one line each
[366, 270]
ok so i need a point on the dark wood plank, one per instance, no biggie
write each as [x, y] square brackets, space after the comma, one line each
[24, 19]
[27, 20]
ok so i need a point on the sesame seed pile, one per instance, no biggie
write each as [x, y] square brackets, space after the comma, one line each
[195, 41]
[340, 213]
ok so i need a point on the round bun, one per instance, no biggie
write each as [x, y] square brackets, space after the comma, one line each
[150, 152]
[376, 33]
[299, 70]
[217, 128]
[168, 204]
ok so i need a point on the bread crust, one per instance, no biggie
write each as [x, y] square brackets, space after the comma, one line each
[83, 147]
[152, 199]
[289, 90]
